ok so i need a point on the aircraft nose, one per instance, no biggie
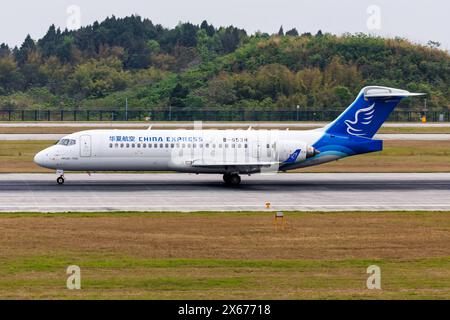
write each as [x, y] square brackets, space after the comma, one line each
[41, 158]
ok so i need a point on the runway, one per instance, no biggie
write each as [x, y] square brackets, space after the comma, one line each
[188, 192]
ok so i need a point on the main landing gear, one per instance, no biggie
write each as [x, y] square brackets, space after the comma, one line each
[60, 179]
[232, 179]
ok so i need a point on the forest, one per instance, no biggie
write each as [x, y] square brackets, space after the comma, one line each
[203, 67]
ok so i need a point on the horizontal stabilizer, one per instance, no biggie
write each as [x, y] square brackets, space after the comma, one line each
[385, 92]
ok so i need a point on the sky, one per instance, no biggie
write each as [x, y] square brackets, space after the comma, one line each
[416, 20]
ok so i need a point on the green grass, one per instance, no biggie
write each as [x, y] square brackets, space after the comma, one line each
[122, 277]
[156, 214]
[37, 271]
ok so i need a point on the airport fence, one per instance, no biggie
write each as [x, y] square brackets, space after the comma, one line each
[203, 115]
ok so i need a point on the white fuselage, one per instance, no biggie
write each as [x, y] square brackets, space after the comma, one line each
[196, 151]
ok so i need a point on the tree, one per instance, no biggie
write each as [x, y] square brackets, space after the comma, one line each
[433, 44]
[65, 50]
[10, 77]
[188, 35]
[28, 46]
[4, 50]
[178, 95]
[281, 31]
[343, 95]
[49, 42]
[210, 30]
[153, 46]
[230, 38]
[293, 32]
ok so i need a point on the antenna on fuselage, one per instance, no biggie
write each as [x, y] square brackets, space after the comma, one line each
[150, 128]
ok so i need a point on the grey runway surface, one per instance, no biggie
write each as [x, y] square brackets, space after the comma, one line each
[187, 192]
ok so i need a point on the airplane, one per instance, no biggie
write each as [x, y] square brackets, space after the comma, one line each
[228, 152]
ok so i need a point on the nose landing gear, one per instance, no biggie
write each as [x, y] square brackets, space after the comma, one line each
[232, 179]
[60, 179]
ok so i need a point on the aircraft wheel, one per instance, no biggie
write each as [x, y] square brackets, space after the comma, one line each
[226, 178]
[234, 180]
[60, 180]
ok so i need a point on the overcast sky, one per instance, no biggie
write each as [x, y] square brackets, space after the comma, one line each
[417, 20]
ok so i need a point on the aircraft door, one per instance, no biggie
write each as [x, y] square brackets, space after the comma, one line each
[85, 146]
[256, 147]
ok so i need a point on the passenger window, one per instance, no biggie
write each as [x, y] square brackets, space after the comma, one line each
[133, 145]
[128, 145]
[226, 145]
[268, 146]
[239, 145]
[200, 145]
[172, 145]
[183, 146]
[246, 146]
[161, 145]
[121, 145]
[110, 145]
[116, 145]
[138, 145]
[207, 145]
[155, 145]
[167, 146]
[189, 145]
[220, 145]
[233, 145]
[194, 146]
[144, 145]
[178, 145]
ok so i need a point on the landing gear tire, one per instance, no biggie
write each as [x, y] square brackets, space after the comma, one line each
[60, 180]
[232, 179]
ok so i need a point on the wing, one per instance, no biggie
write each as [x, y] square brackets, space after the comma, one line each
[242, 164]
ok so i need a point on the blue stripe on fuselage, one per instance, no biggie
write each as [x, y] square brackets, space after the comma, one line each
[348, 145]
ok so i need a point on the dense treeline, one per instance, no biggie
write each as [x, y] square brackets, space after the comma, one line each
[193, 67]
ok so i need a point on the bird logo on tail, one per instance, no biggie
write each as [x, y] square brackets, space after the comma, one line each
[363, 117]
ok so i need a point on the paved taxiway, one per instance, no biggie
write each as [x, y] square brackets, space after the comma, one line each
[187, 192]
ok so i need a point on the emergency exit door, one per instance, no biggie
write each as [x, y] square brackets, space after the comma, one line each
[85, 146]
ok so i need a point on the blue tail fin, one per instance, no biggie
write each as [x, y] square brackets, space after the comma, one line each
[368, 112]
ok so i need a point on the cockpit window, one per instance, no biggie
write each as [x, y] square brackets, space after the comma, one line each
[67, 142]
